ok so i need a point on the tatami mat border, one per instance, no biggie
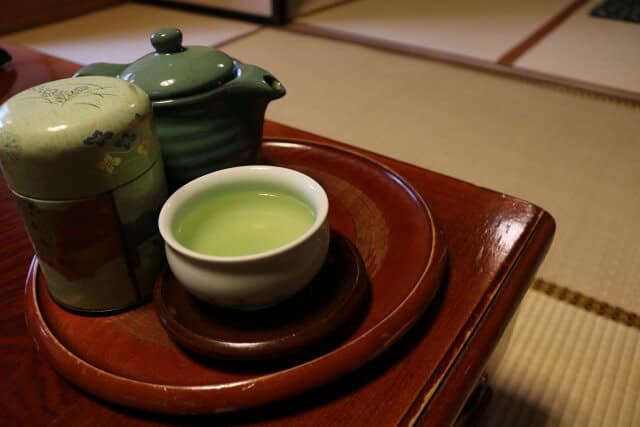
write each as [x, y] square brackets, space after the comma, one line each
[592, 305]
[518, 50]
[606, 93]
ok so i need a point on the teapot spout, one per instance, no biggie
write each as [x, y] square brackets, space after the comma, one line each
[256, 83]
[101, 69]
[277, 89]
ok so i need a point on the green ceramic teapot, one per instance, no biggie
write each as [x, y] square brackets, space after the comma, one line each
[209, 108]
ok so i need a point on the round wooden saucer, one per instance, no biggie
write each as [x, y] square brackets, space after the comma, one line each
[327, 308]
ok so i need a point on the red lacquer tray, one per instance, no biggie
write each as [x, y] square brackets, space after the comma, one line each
[129, 359]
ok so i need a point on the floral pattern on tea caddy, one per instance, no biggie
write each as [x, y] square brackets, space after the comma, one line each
[81, 158]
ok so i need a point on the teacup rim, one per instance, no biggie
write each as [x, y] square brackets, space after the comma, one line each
[187, 192]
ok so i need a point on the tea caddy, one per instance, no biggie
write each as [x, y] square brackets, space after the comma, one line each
[81, 159]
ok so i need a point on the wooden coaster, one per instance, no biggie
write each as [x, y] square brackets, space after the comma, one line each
[327, 307]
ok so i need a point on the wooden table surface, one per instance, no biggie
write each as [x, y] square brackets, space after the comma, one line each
[495, 245]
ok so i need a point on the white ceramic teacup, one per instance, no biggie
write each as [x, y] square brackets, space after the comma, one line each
[257, 280]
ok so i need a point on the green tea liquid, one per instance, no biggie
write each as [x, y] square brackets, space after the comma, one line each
[240, 221]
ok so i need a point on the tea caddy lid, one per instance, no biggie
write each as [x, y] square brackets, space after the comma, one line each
[174, 71]
[75, 138]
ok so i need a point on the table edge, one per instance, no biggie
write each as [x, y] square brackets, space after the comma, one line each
[467, 367]
[434, 406]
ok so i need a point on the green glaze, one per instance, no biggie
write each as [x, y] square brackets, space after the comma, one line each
[173, 71]
[229, 136]
[241, 220]
[209, 108]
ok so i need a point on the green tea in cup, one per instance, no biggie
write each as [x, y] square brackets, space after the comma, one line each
[242, 219]
[246, 237]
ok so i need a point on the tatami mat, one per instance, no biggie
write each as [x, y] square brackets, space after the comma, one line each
[121, 34]
[575, 155]
[565, 366]
[601, 51]
[479, 29]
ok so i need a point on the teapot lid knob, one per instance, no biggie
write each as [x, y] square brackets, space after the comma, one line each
[167, 40]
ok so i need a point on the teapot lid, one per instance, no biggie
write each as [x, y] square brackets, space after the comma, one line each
[173, 70]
